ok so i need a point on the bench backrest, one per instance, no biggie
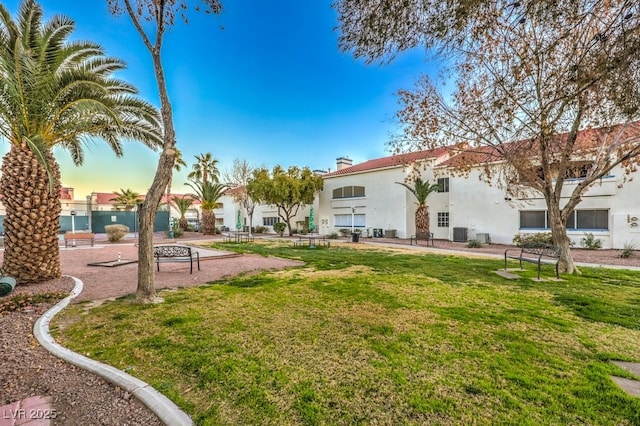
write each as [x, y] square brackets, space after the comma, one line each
[542, 249]
[78, 235]
[424, 235]
[172, 251]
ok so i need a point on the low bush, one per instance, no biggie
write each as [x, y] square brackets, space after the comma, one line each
[344, 232]
[260, 229]
[333, 236]
[590, 242]
[627, 249]
[279, 228]
[474, 244]
[533, 239]
[116, 232]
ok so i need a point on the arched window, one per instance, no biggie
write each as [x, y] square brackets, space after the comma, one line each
[349, 192]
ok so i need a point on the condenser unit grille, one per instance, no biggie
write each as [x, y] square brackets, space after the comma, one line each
[460, 235]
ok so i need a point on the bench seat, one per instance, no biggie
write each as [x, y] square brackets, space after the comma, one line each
[76, 237]
[535, 254]
[426, 236]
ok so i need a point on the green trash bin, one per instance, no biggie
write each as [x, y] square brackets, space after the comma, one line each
[7, 284]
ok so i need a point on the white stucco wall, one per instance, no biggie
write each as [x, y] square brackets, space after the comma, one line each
[482, 208]
[386, 205]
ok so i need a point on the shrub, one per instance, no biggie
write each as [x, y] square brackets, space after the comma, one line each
[116, 232]
[177, 231]
[333, 236]
[260, 229]
[627, 249]
[590, 242]
[474, 244]
[533, 239]
[279, 227]
[344, 232]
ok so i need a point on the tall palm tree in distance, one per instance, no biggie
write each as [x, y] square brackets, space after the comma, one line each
[54, 93]
[205, 169]
[209, 195]
[182, 205]
[126, 198]
[421, 191]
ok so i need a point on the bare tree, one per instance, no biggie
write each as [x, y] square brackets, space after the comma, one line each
[156, 16]
[237, 178]
[542, 93]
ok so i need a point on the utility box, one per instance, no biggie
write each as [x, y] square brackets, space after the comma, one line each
[460, 235]
[483, 238]
[390, 233]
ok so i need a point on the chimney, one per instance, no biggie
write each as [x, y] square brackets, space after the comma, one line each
[343, 162]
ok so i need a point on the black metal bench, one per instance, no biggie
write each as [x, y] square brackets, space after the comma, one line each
[534, 254]
[427, 236]
[176, 254]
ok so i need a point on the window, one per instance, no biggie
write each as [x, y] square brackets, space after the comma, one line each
[348, 192]
[270, 221]
[443, 219]
[344, 220]
[589, 219]
[578, 170]
[443, 183]
[580, 219]
[533, 219]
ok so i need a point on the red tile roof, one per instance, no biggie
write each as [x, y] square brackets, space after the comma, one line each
[65, 193]
[586, 140]
[392, 161]
[105, 197]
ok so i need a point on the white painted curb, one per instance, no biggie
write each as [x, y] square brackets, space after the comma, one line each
[162, 406]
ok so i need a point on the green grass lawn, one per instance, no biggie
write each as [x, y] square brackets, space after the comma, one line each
[379, 337]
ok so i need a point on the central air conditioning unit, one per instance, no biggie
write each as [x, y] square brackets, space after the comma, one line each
[483, 238]
[460, 235]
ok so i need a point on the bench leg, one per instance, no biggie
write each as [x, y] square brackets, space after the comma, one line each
[539, 270]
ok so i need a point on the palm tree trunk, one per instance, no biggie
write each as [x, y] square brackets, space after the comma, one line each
[422, 220]
[32, 221]
[208, 222]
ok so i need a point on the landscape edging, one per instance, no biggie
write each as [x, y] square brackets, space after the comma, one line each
[166, 410]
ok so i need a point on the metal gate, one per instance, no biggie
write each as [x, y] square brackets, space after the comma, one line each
[99, 219]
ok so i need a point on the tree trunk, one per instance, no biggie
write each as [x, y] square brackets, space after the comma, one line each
[183, 223]
[32, 219]
[146, 292]
[560, 239]
[208, 224]
[422, 220]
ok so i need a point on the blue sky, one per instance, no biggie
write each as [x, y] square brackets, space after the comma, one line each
[263, 81]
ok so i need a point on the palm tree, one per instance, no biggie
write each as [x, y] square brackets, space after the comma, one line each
[205, 169]
[126, 198]
[421, 191]
[54, 93]
[177, 166]
[182, 205]
[208, 194]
